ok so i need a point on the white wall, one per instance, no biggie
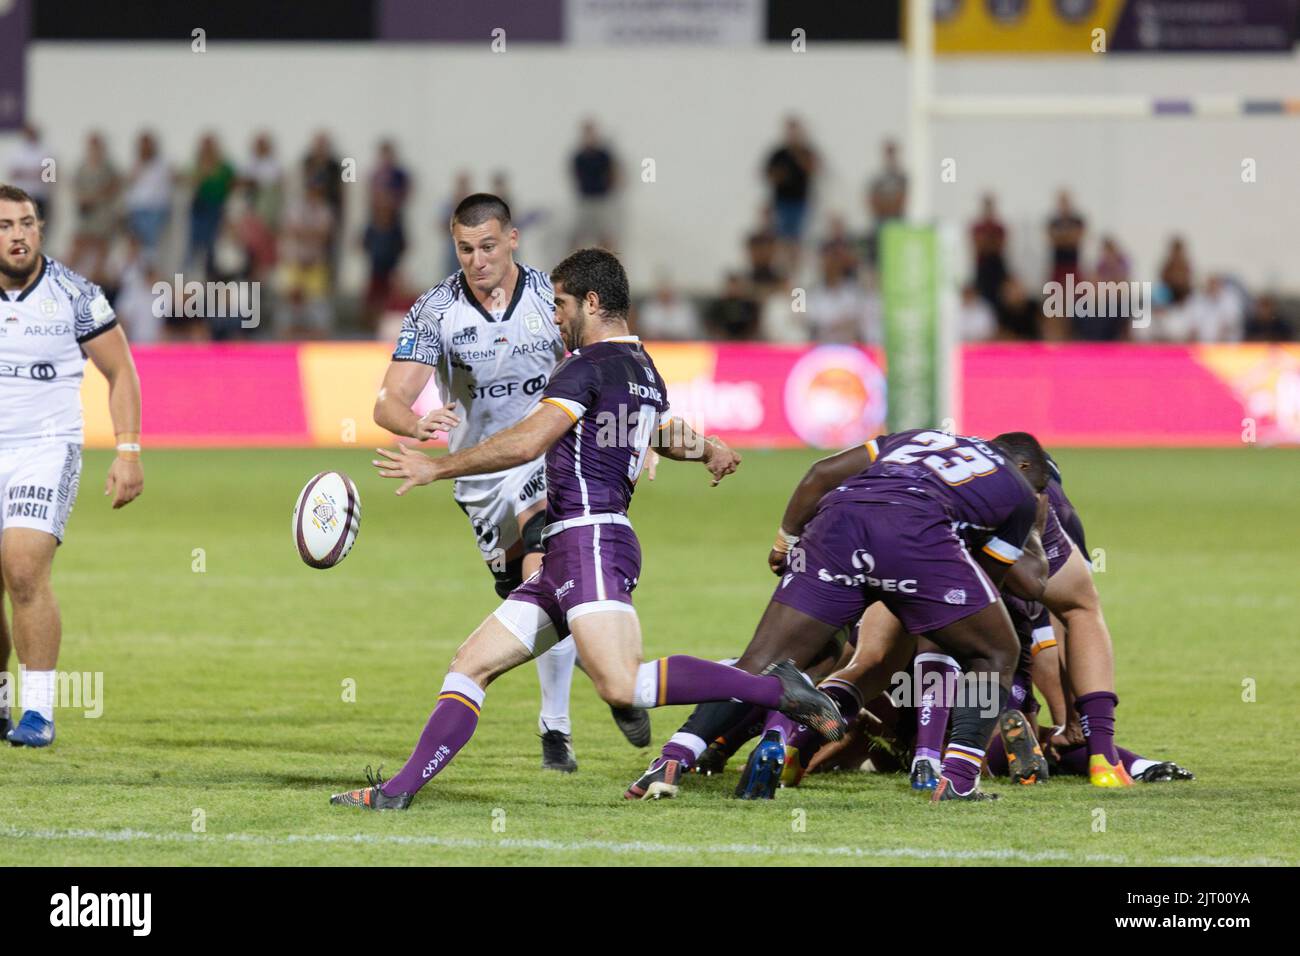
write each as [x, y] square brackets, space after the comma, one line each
[707, 117]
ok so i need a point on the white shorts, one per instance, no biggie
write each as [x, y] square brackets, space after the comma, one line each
[493, 504]
[38, 486]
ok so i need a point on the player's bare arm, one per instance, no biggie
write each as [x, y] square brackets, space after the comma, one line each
[521, 443]
[112, 357]
[403, 383]
[820, 478]
[678, 441]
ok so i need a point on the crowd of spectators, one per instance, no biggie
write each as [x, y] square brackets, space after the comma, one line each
[801, 277]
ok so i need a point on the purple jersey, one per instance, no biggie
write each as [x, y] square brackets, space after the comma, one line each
[617, 401]
[985, 498]
[1064, 508]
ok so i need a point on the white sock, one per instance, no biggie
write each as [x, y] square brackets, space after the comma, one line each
[1141, 764]
[38, 692]
[646, 692]
[555, 674]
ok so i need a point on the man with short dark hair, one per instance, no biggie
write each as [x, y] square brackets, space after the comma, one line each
[598, 417]
[489, 331]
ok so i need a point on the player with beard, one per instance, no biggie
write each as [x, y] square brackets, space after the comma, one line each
[52, 320]
[599, 415]
[488, 333]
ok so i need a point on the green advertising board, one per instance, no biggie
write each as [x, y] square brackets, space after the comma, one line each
[909, 277]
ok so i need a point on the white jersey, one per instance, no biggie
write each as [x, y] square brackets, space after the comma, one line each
[494, 365]
[42, 328]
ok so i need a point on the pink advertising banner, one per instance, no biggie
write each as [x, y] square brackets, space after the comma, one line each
[753, 395]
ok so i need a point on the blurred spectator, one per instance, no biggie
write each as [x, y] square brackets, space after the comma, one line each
[1019, 315]
[1216, 313]
[390, 183]
[385, 242]
[976, 321]
[264, 177]
[1112, 267]
[134, 299]
[595, 177]
[790, 170]
[735, 315]
[305, 309]
[1176, 272]
[989, 239]
[840, 247]
[461, 187]
[97, 185]
[764, 272]
[212, 179]
[666, 315]
[247, 244]
[1266, 323]
[149, 196]
[1065, 231]
[886, 197]
[323, 171]
[1112, 263]
[837, 305]
[28, 170]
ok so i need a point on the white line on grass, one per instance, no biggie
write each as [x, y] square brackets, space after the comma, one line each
[636, 847]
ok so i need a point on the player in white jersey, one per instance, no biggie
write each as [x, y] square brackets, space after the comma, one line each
[489, 333]
[51, 320]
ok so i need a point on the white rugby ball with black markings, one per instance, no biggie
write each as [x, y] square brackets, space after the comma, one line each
[326, 519]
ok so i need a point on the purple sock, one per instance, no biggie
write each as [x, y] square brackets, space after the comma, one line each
[846, 696]
[1075, 760]
[961, 765]
[449, 728]
[1097, 714]
[936, 676]
[996, 756]
[783, 725]
[1022, 684]
[689, 680]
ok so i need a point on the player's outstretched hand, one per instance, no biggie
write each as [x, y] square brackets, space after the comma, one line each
[723, 461]
[125, 481]
[651, 464]
[409, 463]
[436, 420]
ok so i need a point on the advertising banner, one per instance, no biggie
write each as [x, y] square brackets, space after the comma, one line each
[1072, 26]
[753, 396]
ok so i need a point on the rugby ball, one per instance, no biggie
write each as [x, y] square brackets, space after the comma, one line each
[326, 519]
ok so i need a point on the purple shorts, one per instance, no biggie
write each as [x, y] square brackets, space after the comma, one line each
[854, 554]
[1056, 545]
[1033, 623]
[586, 568]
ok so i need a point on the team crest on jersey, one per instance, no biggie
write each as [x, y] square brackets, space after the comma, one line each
[955, 596]
[49, 307]
[533, 323]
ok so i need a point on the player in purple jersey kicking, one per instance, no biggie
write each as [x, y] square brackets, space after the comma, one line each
[599, 415]
[880, 523]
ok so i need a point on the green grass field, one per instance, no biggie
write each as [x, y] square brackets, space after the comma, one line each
[224, 728]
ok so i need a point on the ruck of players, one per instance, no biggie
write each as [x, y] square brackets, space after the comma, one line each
[955, 565]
